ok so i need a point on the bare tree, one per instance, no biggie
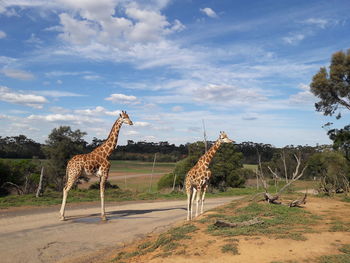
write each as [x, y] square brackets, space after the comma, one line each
[297, 174]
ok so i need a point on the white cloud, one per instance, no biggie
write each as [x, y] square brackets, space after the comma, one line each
[91, 77]
[59, 118]
[121, 98]
[2, 34]
[141, 124]
[30, 100]
[304, 97]
[34, 40]
[17, 74]
[66, 73]
[57, 93]
[294, 39]
[131, 132]
[209, 12]
[226, 93]
[99, 110]
[322, 23]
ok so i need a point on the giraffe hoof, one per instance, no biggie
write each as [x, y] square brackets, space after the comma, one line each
[103, 218]
[62, 218]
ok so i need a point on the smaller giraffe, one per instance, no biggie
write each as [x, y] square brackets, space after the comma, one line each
[94, 163]
[197, 178]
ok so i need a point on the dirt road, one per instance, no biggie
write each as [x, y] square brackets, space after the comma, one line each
[37, 235]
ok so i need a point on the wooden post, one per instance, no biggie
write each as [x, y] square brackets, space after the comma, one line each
[40, 186]
[174, 182]
[205, 137]
[154, 162]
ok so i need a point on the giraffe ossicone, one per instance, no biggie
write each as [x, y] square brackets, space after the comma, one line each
[198, 176]
[94, 163]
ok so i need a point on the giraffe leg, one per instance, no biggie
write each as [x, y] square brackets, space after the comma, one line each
[66, 189]
[102, 195]
[197, 200]
[203, 196]
[189, 205]
[194, 192]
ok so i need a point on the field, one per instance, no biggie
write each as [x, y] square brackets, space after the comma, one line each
[315, 233]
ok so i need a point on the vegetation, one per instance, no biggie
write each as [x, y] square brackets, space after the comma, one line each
[226, 167]
[333, 87]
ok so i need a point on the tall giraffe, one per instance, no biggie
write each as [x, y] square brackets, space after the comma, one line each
[95, 163]
[197, 178]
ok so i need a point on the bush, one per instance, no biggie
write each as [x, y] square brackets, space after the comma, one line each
[108, 185]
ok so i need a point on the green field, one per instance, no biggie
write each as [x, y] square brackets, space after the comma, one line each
[139, 167]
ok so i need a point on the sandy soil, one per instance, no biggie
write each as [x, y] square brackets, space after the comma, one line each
[203, 247]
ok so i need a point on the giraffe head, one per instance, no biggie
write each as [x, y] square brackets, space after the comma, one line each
[224, 139]
[125, 118]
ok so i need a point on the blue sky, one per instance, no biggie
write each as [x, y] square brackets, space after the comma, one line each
[241, 66]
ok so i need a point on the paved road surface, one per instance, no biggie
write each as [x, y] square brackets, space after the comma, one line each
[37, 235]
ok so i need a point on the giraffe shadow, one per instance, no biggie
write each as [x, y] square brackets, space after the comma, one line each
[118, 214]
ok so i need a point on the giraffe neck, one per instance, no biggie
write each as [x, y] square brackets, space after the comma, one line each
[109, 145]
[208, 156]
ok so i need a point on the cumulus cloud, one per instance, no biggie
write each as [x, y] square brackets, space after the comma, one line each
[141, 124]
[121, 98]
[99, 110]
[2, 34]
[30, 100]
[17, 74]
[59, 118]
[209, 12]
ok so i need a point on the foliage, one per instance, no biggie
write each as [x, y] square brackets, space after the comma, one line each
[223, 167]
[333, 87]
[332, 168]
[62, 144]
[250, 149]
[341, 140]
[19, 147]
[19, 175]
[108, 185]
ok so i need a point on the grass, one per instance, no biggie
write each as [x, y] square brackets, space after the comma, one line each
[341, 258]
[230, 248]
[166, 243]
[139, 167]
[111, 195]
[279, 221]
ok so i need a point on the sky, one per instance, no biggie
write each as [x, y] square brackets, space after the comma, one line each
[243, 67]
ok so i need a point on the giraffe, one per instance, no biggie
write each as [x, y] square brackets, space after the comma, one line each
[198, 176]
[95, 163]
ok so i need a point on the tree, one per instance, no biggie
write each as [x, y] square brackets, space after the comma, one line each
[333, 170]
[225, 167]
[333, 87]
[341, 140]
[62, 144]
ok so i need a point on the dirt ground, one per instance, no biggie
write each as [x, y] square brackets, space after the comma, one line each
[203, 247]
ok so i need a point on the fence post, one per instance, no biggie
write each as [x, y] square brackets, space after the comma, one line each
[174, 182]
[40, 186]
[154, 161]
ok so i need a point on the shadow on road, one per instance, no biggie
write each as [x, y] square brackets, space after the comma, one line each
[114, 215]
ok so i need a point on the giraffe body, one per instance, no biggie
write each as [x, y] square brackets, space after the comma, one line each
[94, 163]
[197, 178]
